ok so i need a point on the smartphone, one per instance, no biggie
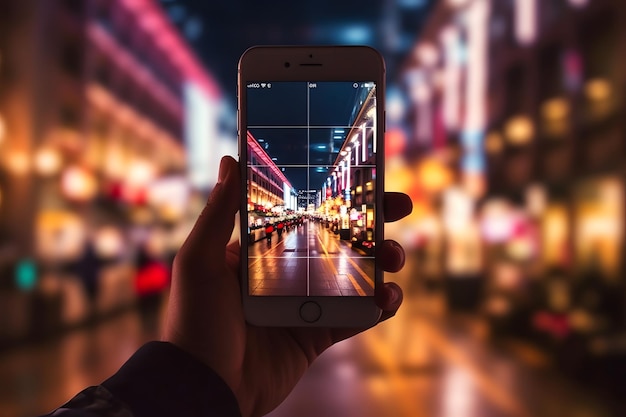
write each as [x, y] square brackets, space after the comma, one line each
[311, 127]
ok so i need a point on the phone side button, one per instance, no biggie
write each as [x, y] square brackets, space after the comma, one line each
[310, 312]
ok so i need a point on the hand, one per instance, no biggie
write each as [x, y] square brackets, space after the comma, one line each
[205, 315]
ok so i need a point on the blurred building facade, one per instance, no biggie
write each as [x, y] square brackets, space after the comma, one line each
[94, 126]
[517, 110]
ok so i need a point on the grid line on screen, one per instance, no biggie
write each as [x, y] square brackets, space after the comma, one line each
[306, 154]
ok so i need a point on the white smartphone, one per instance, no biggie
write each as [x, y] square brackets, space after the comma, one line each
[311, 127]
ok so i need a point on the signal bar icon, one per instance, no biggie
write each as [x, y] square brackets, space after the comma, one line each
[263, 85]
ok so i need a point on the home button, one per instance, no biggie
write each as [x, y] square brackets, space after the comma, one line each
[310, 312]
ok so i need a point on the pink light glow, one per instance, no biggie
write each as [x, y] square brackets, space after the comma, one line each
[578, 3]
[104, 41]
[168, 38]
[525, 21]
[260, 152]
[452, 77]
[126, 116]
[476, 86]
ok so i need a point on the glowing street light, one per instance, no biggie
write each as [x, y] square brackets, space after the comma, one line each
[598, 89]
[519, 130]
[47, 162]
[18, 163]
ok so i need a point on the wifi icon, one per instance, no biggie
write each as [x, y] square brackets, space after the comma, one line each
[263, 85]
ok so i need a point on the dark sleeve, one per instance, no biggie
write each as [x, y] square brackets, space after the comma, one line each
[159, 380]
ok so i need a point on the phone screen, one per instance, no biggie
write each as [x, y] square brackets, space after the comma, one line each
[311, 187]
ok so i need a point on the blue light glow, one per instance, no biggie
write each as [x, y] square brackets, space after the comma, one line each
[25, 275]
[411, 4]
[472, 139]
[473, 162]
[474, 159]
[356, 34]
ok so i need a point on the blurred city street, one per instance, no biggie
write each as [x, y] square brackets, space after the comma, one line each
[505, 125]
[309, 260]
[417, 364]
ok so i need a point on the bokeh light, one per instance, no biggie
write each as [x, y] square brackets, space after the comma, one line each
[505, 126]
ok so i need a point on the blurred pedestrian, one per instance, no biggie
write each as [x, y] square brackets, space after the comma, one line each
[269, 229]
[87, 268]
[151, 280]
[279, 229]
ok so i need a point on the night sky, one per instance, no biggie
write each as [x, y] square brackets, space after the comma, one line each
[298, 135]
[220, 31]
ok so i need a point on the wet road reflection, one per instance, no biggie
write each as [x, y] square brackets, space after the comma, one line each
[420, 363]
[309, 260]
[36, 379]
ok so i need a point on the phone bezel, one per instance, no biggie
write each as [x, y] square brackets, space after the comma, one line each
[310, 63]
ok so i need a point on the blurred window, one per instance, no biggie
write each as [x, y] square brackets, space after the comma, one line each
[103, 73]
[75, 6]
[551, 12]
[72, 57]
[551, 80]
[124, 28]
[516, 89]
[498, 29]
[103, 14]
[69, 116]
[505, 9]
[121, 89]
[599, 41]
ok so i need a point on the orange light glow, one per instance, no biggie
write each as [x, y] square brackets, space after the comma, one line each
[519, 130]
[3, 129]
[598, 89]
[47, 161]
[140, 173]
[434, 175]
[555, 109]
[78, 184]
[18, 163]
[494, 143]
[109, 242]
[60, 234]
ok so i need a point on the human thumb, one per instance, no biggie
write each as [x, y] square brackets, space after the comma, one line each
[215, 224]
